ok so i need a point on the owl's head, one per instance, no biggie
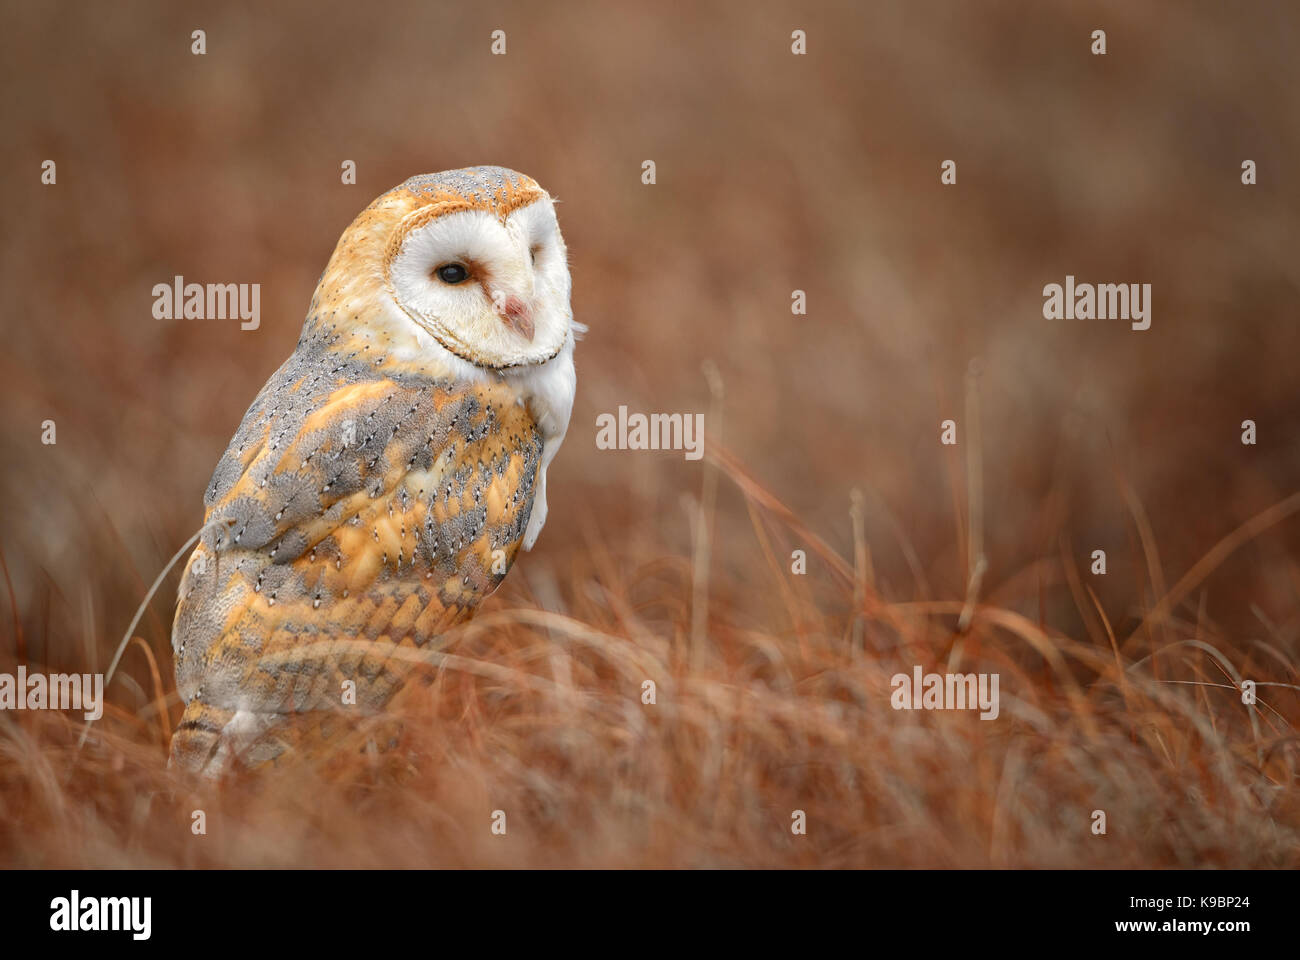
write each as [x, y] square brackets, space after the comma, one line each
[472, 258]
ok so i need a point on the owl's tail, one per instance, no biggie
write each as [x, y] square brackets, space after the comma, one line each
[200, 737]
[211, 741]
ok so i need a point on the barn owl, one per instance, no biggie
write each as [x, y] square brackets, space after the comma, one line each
[383, 480]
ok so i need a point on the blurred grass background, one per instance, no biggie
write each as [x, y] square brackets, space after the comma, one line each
[775, 173]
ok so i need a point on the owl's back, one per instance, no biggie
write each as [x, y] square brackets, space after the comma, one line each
[357, 512]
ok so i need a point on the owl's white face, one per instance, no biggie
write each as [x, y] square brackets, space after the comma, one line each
[493, 292]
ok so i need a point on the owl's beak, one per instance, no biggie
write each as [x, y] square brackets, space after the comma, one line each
[518, 317]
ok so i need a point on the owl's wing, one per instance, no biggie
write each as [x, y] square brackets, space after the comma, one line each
[349, 508]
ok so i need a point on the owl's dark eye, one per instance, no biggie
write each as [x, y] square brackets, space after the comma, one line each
[452, 273]
[534, 251]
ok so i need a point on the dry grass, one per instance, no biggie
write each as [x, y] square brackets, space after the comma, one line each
[782, 705]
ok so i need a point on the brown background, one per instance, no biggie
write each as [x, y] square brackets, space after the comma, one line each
[774, 172]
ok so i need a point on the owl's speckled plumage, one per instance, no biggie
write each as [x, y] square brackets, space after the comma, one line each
[385, 477]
